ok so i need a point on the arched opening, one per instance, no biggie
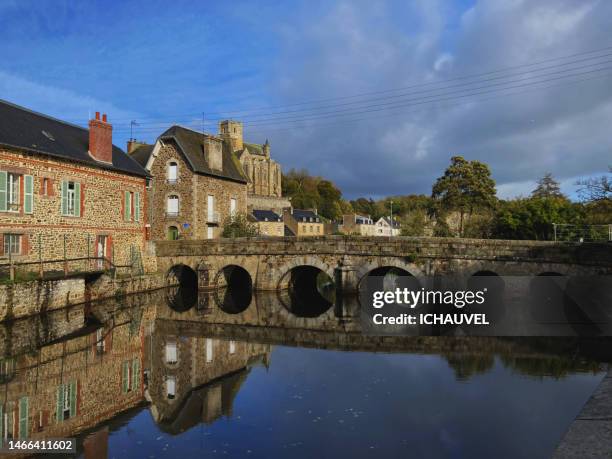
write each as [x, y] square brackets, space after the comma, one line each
[389, 278]
[183, 293]
[491, 286]
[311, 291]
[237, 289]
[547, 297]
[173, 233]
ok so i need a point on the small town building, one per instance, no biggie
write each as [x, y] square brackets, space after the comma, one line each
[262, 172]
[358, 225]
[303, 222]
[198, 183]
[268, 222]
[68, 192]
[385, 226]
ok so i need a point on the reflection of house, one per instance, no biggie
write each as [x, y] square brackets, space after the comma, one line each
[59, 180]
[269, 223]
[303, 222]
[197, 183]
[263, 173]
[195, 379]
[72, 385]
[387, 227]
[357, 224]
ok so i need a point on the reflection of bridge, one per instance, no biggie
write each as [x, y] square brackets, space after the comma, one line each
[271, 263]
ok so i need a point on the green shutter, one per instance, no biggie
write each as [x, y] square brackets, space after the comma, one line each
[126, 377]
[137, 206]
[23, 418]
[64, 197]
[73, 398]
[127, 206]
[28, 198]
[59, 406]
[135, 374]
[3, 194]
[77, 199]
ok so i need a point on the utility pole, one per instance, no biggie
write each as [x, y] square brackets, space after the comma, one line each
[391, 233]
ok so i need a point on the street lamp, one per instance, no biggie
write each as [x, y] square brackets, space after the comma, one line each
[391, 232]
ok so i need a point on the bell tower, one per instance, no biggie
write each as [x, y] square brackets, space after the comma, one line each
[231, 132]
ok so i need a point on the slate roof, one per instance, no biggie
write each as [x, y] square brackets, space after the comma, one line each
[388, 220]
[190, 142]
[24, 129]
[305, 216]
[266, 216]
[142, 153]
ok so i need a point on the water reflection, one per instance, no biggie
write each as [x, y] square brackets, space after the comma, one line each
[96, 370]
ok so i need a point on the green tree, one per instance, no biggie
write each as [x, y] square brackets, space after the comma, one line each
[547, 187]
[239, 226]
[466, 186]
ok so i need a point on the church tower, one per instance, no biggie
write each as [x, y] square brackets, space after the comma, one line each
[231, 131]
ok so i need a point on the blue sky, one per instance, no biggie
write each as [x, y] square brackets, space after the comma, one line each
[161, 63]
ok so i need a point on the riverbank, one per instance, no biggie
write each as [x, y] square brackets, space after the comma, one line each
[590, 435]
[26, 299]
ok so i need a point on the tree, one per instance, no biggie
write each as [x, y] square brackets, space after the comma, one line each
[466, 186]
[597, 188]
[547, 187]
[239, 226]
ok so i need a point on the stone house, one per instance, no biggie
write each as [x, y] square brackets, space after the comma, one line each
[385, 226]
[262, 172]
[197, 184]
[357, 224]
[269, 223]
[303, 222]
[68, 191]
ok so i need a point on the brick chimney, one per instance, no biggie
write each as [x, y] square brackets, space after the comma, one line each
[101, 139]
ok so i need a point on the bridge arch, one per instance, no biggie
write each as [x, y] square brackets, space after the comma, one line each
[281, 273]
[233, 289]
[384, 265]
[183, 292]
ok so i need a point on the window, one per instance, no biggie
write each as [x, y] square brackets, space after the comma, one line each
[12, 189]
[66, 401]
[100, 344]
[171, 352]
[210, 232]
[12, 244]
[232, 347]
[172, 172]
[131, 206]
[130, 375]
[172, 208]
[71, 199]
[45, 188]
[210, 208]
[8, 421]
[232, 207]
[170, 386]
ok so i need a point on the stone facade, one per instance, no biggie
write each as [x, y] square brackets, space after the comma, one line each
[42, 227]
[271, 229]
[193, 219]
[357, 225]
[303, 223]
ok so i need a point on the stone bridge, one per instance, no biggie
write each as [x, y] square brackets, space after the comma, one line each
[270, 263]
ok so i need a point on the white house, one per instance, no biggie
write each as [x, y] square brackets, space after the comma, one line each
[387, 227]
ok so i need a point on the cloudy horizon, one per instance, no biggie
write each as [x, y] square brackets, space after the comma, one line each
[297, 74]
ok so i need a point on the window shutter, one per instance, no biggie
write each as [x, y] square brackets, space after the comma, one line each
[125, 379]
[77, 199]
[1, 244]
[28, 202]
[23, 418]
[82, 201]
[3, 195]
[73, 398]
[64, 197]
[136, 374]
[127, 208]
[25, 244]
[59, 406]
[137, 206]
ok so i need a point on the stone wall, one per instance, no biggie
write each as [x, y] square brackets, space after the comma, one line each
[101, 212]
[274, 203]
[276, 229]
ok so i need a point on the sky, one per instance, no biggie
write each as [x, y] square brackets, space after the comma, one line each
[374, 95]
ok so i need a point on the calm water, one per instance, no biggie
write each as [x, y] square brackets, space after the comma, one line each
[135, 378]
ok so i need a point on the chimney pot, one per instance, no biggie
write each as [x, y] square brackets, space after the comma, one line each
[97, 115]
[104, 117]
